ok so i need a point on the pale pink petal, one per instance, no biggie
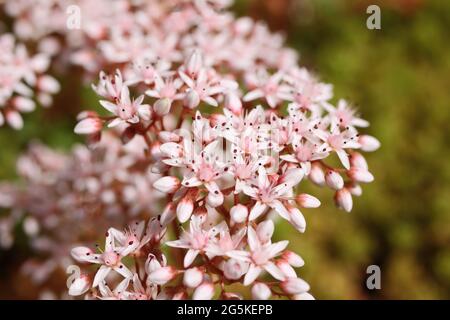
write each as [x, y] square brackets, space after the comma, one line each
[252, 273]
[190, 257]
[343, 156]
[101, 274]
[271, 268]
[258, 209]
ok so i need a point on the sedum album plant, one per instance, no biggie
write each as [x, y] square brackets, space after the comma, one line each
[209, 126]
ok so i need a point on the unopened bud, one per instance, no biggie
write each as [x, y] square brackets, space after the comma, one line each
[305, 200]
[162, 106]
[294, 286]
[205, 291]
[360, 175]
[334, 180]
[239, 213]
[167, 184]
[344, 199]
[261, 291]
[191, 100]
[162, 275]
[368, 143]
[192, 278]
[316, 175]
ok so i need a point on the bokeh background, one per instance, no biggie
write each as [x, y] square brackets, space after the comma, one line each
[399, 77]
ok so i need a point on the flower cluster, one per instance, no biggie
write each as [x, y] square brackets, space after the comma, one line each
[227, 175]
[211, 126]
[67, 198]
[22, 81]
[144, 38]
[100, 34]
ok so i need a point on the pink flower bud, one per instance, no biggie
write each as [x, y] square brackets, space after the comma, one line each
[191, 100]
[334, 180]
[357, 160]
[297, 219]
[185, 208]
[167, 184]
[294, 286]
[368, 143]
[239, 213]
[162, 275]
[162, 106]
[303, 296]
[261, 291]
[23, 104]
[88, 126]
[80, 286]
[316, 175]
[152, 264]
[14, 119]
[234, 269]
[214, 199]
[192, 278]
[243, 25]
[355, 189]
[265, 230]
[167, 136]
[293, 259]
[307, 201]
[168, 214]
[194, 63]
[360, 175]
[86, 114]
[48, 84]
[344, 199]
[233, 103]
[205, 291]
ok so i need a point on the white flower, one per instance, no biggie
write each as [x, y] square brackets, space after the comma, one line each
[260, 257]
[272, 193]
[196, 239]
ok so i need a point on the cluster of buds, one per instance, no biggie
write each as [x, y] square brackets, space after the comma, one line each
[22, 81]
[211, 126]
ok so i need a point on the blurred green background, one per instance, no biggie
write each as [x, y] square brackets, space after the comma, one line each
[399, 79]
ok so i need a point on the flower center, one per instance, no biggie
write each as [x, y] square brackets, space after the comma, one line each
[303, 154]
[335, 141]
[111, 258]
[199, 240]
[126, 112]
[206, 173]
[265, 195]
